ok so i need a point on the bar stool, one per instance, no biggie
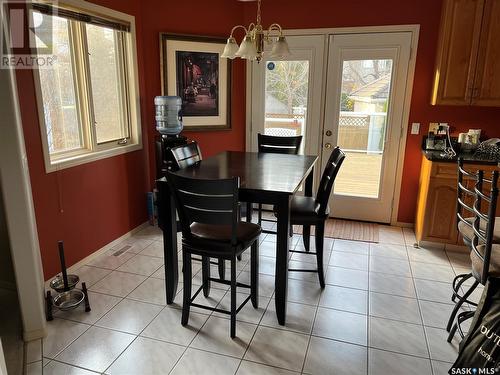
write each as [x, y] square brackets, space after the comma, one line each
[314, 211]
[211, 228]
[186, 156]
[479, 234]
[276, 145]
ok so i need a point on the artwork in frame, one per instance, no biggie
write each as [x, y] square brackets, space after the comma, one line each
[191, 67]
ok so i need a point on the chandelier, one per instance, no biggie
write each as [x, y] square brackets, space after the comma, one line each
[252, 46]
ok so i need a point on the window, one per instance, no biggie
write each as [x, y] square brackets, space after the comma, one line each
[87, 98]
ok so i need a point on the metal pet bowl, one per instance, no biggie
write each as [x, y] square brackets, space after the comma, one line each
[58, 283]
[68, 300]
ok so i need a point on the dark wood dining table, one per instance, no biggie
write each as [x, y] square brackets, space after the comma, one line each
[264, 178]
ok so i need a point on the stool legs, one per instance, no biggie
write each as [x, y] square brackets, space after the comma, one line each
[222, 268]
[205, 275]
[320, 240]
[306, 236]
[457, 283]
[459, 304]
[254, 274]
[187, 279]
[462, 317]
[233, 298]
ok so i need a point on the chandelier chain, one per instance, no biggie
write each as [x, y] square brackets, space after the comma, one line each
[258, 13]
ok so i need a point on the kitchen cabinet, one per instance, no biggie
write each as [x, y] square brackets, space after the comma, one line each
[466, 70]
[436, 220]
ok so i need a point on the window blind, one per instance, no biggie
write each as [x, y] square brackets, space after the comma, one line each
[82, 17]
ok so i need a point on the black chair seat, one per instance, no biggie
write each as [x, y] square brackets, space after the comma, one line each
[245, 233]
[304, 210]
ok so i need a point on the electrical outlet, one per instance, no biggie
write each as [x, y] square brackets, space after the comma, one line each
[415, 128]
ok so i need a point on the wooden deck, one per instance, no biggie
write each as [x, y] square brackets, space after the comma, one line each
[359, 175]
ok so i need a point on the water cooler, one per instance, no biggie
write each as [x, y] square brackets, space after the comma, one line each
[169, 125]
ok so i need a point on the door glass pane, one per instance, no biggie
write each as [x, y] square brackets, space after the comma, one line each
[106, 80]
[287, 86]
[364, 103]
[58, 90]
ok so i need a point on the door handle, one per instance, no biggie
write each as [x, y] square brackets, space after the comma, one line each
[328, 133]
[328, 145]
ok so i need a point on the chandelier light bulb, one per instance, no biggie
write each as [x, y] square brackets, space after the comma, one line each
[280, 48]
[247, 49]
[252, 46]
[230, 49]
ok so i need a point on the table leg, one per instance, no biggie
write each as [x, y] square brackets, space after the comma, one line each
[308, 190]
[168, 223]
[249, 212]
[281, 283]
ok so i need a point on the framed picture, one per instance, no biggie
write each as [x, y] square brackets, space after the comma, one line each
[191, 67]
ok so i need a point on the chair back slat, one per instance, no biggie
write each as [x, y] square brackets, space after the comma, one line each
[207, 202]
[465, 195]
[328, 178]
[213, 202]
[186, 155]
[480, 236]
[200, 215]
[279, 145]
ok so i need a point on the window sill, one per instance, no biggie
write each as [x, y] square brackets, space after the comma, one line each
[52, 166]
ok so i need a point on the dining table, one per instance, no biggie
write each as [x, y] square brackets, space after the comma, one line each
[265, 178]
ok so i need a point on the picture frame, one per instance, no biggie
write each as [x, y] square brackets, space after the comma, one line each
[192, 68]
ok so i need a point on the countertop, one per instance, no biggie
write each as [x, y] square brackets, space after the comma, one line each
[468, 157]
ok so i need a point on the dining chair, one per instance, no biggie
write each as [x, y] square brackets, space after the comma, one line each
[478, 233]
[276, 145]
[314, 211]
[211, 228]
[186, 156]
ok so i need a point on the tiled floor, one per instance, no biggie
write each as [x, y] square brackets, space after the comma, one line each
[382, 312]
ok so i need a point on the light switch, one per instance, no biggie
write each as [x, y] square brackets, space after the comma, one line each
[415, 128]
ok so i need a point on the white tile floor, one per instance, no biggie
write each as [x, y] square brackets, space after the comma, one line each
[382, 312]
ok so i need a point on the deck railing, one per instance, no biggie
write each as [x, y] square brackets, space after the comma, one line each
[358, 131]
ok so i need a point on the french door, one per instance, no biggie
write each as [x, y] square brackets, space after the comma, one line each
[286, 94]
[367, 82]
[355, 101]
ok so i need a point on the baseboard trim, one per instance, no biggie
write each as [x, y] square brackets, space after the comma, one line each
[101, 251]
[403, 225]
[34, 335]
[457, 248]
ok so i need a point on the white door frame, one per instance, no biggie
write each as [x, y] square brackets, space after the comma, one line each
[310, 48]
[392, 46]
[415, 30]
[19, 211]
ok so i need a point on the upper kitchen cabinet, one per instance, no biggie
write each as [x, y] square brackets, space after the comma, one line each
[487, 80]
[468, 53]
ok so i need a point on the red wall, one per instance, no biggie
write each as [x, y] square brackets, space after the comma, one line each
[90, 205]
[212, 18]
[296, 14]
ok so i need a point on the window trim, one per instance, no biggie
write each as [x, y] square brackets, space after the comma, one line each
[108, 149]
